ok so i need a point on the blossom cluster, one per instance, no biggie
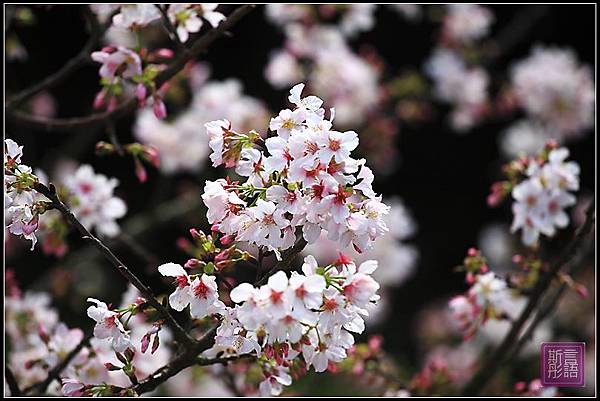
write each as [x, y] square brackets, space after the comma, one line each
[320, 56]
[397, 258]
[542, 189]
[487, 298]
[181, 146]
[89, 195]
[308, 180]
[310, 314]
[186, 18]
[462, 86]
[135, 70]
[39, 341]
[22, 207]
[126, 347]
[556, 91]
[465, 23]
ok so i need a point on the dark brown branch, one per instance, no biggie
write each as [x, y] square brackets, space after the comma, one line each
[97, 31]
[186, 359]
[78, 123]
[169, 28]
[13, 386]
[480, 379]
[515, 31]
[287, 257]
[546, 309]
[179, 332]
[54, 373]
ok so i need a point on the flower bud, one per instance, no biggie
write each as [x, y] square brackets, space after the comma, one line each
[192, 263]
[159, 108]
[140, 93]
[145, 342]
[111, 367]
[140, 171]
[99, 100]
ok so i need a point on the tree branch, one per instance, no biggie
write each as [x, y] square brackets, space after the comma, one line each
[169, 28]
[186, 359]
[40, 387]
[287, 257]
[480, 379]
[97, 31]
[179, 332]
[78, 123]
[13, 386]
[547, 308]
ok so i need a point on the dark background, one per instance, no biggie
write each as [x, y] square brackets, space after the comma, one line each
[442, 177]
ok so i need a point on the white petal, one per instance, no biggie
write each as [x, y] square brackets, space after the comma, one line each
[172, 270]
[242, 292]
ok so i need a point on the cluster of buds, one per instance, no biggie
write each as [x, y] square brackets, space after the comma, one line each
[126, 358]
[433, 380]
[75, 388]
[485, 299]
[140, 153]
[136, 70]
[212, 252]
[475, 263]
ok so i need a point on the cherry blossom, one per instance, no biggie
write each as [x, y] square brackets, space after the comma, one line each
[306, 178]
[541, 198]
[96, 205]
[552, 87]
[187, 18]
[108, 326]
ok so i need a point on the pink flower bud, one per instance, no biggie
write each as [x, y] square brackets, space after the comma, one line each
[375, 343]
[129, 353]
[582, 291]
[108, 49]
[164, 53]
[520, 386]
[159, 108]
[140, 171]
[195, 233]
[43, 334]
[109, 366]
[183, 244]
[140, 93]
[155, 344]
[151, 154]
[145, 343]
[192, 263]
[227, 239]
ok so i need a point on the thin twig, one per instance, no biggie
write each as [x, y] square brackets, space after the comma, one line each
[79, 123]
[186, 359]
[54, 374]
[169, 28]
[97, 31]
[480, 379]
[547, 308]
[181, 334]
[515, 31]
